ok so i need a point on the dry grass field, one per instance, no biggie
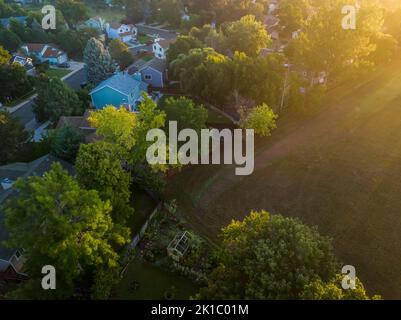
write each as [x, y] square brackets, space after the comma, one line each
[339, 169]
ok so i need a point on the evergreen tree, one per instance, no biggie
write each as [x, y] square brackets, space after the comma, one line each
[99, 63]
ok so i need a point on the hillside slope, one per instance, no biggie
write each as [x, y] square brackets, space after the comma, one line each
[339, 170]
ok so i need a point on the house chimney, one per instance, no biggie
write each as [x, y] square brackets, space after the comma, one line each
[138, 76]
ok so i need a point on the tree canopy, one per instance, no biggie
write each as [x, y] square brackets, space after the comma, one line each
[99, 167]
[55, 99]
[99, 63]
[60, 224]
[246, 35]
[120, 53]
[12, 136]
[186, 113]
[269, 257]
[260, 118]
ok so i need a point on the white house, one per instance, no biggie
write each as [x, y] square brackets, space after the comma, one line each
[45, 52]
[160, 48]
[124, 32]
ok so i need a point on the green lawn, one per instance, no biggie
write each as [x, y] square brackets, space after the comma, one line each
[147, 57]
[57, 73]
[153, 283]
[21, 99]
[143, 38]
[339, 170]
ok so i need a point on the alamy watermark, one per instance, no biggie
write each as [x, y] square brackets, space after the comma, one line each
[349, 279]
[349, 20]
[208, 143]
[49, 280]
[49, 18]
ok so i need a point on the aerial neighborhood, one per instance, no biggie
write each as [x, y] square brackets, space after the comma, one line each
[293, 82]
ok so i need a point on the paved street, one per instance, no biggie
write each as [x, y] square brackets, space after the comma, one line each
[162, 33]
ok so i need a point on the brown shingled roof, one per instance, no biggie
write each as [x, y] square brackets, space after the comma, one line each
[80, 124]
[52, 52]
[35, 47]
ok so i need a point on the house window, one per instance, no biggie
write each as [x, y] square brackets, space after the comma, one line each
[18, 254]
[148, 77]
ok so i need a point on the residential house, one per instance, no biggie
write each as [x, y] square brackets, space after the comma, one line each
[6, 22]
[23, 61]
[12, 260]
[121, 89]
[124, 32]
[81, 125]
[160, 48]
[153, 72]
[97, 23]
[45, 53]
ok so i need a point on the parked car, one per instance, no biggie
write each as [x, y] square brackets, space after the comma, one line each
[149, 42]
[64, 65]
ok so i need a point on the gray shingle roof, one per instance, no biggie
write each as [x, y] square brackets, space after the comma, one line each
[157, 64]
[121, 82]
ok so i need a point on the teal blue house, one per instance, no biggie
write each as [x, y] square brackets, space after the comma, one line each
[119, 90]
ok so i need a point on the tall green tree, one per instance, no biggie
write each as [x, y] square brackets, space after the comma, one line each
[186, 113]
[14, 82]
[74, 41]
[60, 224]
[55, 99]
[73, 11]
[149, 117]
[65, 143]
[324, 46]
[261, 119]
[115, 126]
[9, 40]
[99, 167]
[4, 56]
[182, 45]
[332, 290]
[120, 53]
[170, 11]
[293, 14]
[259, 78]
[12, 136]
[135, 10]
[99, 63]
[246, 35]
[204, 73]
[269, 257]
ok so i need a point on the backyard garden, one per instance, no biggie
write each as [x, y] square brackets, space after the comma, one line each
[169, 255]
